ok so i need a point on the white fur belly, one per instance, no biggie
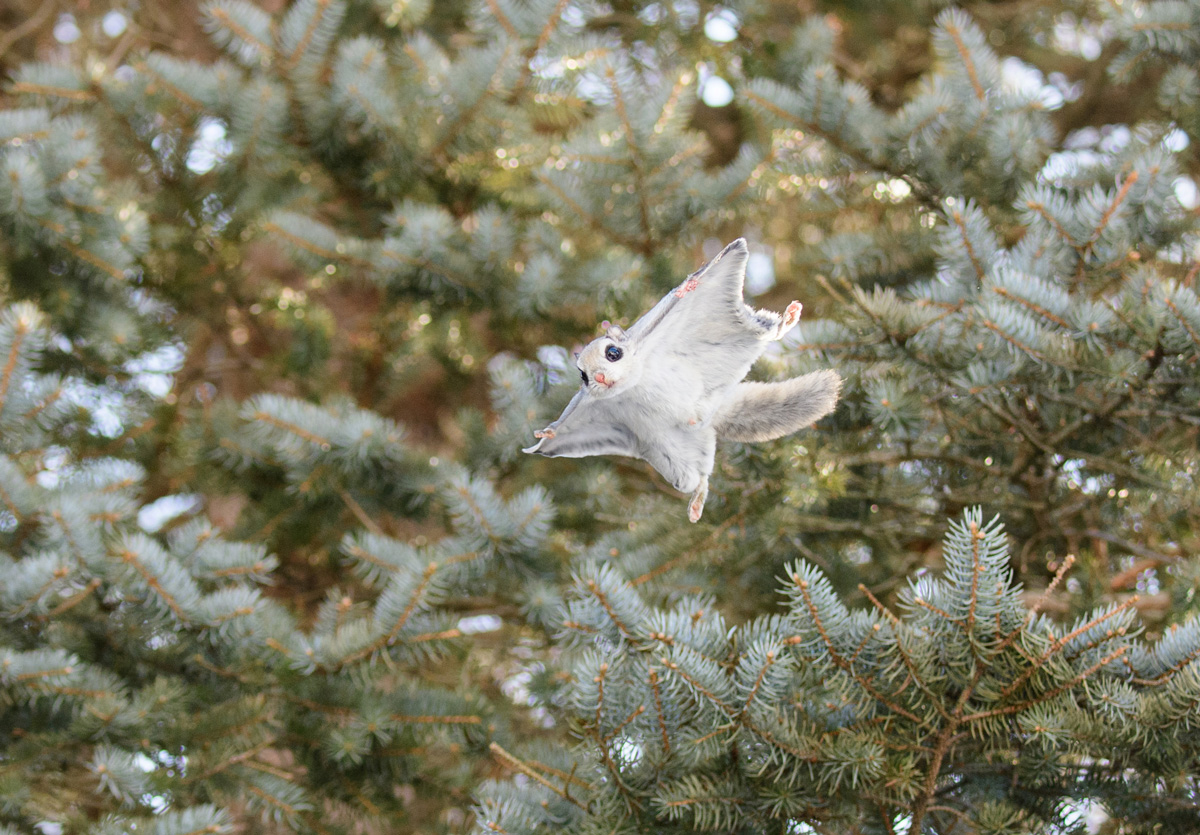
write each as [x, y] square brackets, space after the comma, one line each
[675, 393]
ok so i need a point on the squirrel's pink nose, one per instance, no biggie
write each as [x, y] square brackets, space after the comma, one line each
[599, 378]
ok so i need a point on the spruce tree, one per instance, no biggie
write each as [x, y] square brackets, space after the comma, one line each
[287, 286]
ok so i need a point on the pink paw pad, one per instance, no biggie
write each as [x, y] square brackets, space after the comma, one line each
[792, 315]
[687, 287]
[543, 433]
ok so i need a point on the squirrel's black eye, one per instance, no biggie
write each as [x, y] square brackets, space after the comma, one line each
[612, 353]
[583, 374]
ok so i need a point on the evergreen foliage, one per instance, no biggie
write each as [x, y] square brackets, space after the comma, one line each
[828, 717]
[286, 286]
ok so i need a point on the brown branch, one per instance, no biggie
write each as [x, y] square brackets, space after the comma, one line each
[434, 719]
[20, 331]
[225, 20]
[1182, 321]
[1050, 694]
[444, 635]
[130, 558]
[359, 514]
[452, 130]
[1111, 210]
[36, 674]
[1041, 210]
[510, 760]
[866, 639]
[45, 10]
[543, 38]
[1059, 643]
[1125, 545]
[918, 187]
[683, 557]
[962, 230]
[976, 570]
[662, 721]
[944, 740]
[383, 640]
[635, 156]
[1058, 575]
[567, 778]
[50, 90]
[298, 431]
[174, 91]
[230, 762]
[599, 681]
[294, 58]
[288, 810]
[308, 246]
[980, 94]
[681, 83]
[505, 23]
[1036, 308]
[1012, 340]
[72, 601]
[594, 588]
[925, 604]
[591, 219]
[842, 663]
[425, 264]
[758, 681]
[808, 756]
[637, 711]
[689, 801]
[708, 694]
[875, 602]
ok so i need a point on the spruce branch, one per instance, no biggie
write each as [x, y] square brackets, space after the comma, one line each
[687, 555]
[359, 514]
[1004, 293]
[698, 686]
[951, 27]
[503, 18]
[602, 598]
[62, 92]
[1059, 573]
[224, 14]
[957, 217]
[22, 322]
[514, 762]
[620, 726]
[635, 157]
[1110, 211]
[1057, 644]
[465, 114]
[309, 245]
[1183, 321]
[316, 18]
[316, 440]
[438, 719]
[652, 677]
[841, 662]
[1053, 692]
[592, 220]
[919, 188]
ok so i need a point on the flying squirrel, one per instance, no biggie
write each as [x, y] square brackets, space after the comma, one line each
[670, 386]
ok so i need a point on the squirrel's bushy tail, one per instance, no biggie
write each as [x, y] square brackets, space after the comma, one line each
[765, 411]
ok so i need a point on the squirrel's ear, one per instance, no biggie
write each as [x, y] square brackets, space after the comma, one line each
[615, 333]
